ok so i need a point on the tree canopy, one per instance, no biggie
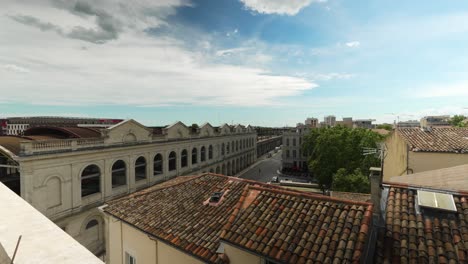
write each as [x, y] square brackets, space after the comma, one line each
[388, 127]
[353, 182]
[331, 149]
[458, 121]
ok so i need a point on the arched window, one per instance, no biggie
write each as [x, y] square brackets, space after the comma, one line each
[222, 149]
[140, 169]
[158, 165]
[172, 161]
[119, 175]
[92, 224]
[90, 180]
[203, 154]
[183, 158]
[194, 156]
[210, 152]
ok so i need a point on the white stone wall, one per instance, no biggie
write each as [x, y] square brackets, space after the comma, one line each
[52, 182]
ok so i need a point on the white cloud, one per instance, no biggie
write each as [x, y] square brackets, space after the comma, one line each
[442, 90]
[281, 7]
[327, 76]
[353, 44]
[14, 68]
[131, 69]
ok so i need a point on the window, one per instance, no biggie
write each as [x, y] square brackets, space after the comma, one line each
[287, 153]
[203, 154]
[184, 158]
[294, 142]
[129, 259]
[140, 169]
[222, 149]
[172, 161]
[237, 145]
[233, 146]
[287, 142]
[92, 224]
[119, 175]
[227, 148]
[210, 152]
[90, 180]
[194, 156]
[157, 165]
[294, 153]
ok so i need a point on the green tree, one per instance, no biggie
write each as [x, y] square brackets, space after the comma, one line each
[330, 149]
[353, 182]
[386, 127]
[458, 121]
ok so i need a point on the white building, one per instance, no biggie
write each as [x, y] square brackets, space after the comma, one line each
[292, 154]
[66, 173]
[329, 120]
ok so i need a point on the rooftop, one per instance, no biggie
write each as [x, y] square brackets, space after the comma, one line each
[280, 224]
[454, 139]
[412, 235]
[453, 178]
[42, 241]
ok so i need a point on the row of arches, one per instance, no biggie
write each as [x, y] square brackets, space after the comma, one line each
[236, 145]
[234, 166]
[91, 175]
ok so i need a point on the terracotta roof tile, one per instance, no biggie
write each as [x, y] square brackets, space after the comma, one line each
[453, 139]
[426, 237]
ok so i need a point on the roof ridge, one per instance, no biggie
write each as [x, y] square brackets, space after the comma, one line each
[415, 186]
[311, 195]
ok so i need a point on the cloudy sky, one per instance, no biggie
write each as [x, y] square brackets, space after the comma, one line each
[260, 62]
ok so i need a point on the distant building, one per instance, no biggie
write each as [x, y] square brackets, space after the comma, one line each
[218, 219]
[413, 150]
[312, 122]
[292, 154]
[363, 123]
[409, 123]
[330, 120]
[347, 122]
[15, 126]
[435, 121]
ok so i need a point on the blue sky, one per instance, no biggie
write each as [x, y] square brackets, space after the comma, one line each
[257, 62]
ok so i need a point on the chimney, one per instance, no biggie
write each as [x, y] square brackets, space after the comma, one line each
[375, 179]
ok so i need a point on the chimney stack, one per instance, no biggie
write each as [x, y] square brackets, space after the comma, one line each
[375, 179]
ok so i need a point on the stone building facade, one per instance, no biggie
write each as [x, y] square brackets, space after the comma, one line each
[68, 179]
[292, 155]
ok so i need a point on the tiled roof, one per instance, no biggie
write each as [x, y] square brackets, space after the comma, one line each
[453, 139]
[292, 227]
[426, 237]
[12, 143]
[359, 197]
[298, 225]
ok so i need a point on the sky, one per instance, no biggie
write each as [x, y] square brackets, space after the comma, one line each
[258, 62]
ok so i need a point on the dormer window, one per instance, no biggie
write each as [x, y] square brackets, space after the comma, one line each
[216, 197]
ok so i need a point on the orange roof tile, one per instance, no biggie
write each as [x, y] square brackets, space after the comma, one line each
[453, 139]
[177, 214]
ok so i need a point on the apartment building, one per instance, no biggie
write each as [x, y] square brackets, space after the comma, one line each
[292, 154]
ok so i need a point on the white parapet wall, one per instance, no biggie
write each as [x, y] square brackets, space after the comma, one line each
[41, 240]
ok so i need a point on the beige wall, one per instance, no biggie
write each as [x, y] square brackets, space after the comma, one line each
[123, 238]
[400, 162]
[395, 162]
[425, 161]
[239, 256]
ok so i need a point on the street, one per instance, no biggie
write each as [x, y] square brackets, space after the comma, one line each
[265, 169]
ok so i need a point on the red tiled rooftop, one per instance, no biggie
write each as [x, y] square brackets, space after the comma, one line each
[426, 237]
[268, 220]
[453, 139]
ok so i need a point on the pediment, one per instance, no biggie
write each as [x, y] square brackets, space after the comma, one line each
[177, 130]
[126, 132]
[207, 130]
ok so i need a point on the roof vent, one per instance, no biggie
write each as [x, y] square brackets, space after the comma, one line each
[216, 197]
[433, 200]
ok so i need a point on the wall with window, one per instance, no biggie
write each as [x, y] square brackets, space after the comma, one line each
[123, 240]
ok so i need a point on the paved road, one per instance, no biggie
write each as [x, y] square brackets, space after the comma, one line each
[264, 169]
